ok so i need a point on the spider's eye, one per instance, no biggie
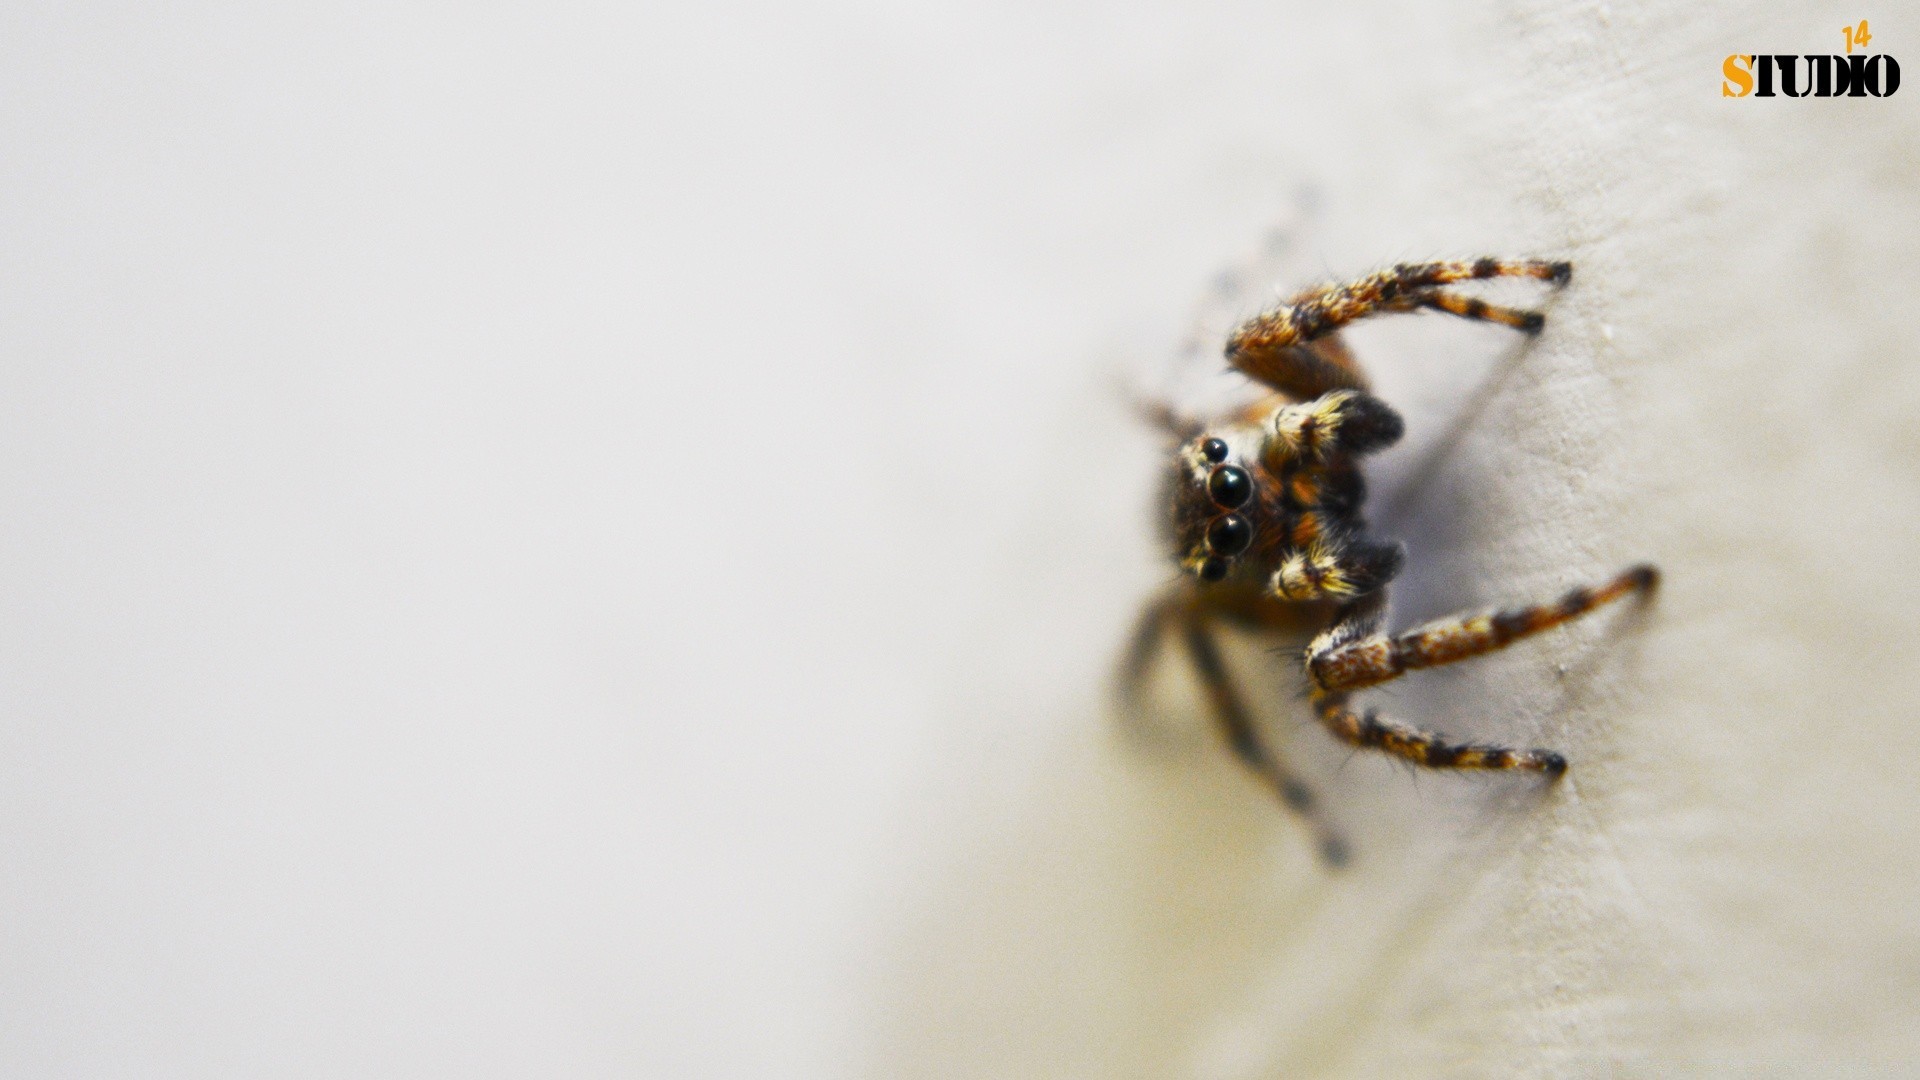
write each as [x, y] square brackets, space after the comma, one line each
[1230, 487]
[1213, 569]
[1229, 535]
[1214, 450]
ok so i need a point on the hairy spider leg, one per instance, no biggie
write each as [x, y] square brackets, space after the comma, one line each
[1307, 369]
[1418, 745]
[1332, 350]
[1238, 726]
[1269, 346]
[1342, 659]
[1472, 307]
[1423, 747]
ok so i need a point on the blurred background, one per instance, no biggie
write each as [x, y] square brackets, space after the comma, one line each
[590, 541]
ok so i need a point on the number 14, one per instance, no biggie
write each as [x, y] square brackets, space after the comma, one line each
[1856, 35]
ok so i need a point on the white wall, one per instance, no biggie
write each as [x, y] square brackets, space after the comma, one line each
[589, 541]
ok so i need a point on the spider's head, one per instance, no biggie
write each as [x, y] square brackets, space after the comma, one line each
[1219, 498]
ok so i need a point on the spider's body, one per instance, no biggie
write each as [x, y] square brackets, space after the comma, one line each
[1265, 517]
[1259, 502]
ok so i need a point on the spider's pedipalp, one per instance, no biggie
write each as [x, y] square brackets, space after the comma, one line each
[1336, 569]
[1337, 422]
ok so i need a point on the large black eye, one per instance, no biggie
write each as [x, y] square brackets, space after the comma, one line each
[1229, 536]
[1214, 450]
[1230, 486]
[1213, 569]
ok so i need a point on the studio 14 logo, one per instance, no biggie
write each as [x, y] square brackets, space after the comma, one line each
[1857, 74]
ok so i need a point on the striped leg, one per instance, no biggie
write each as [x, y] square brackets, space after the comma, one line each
[1471, 307]
[1237, 724]
[1424, 747]
[1340, 661]
[1268, 347]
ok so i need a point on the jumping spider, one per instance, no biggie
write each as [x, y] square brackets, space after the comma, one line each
[1265, 518]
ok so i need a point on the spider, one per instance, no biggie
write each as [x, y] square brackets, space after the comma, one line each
[1265, 517]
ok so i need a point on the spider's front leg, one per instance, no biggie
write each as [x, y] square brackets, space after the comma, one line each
[1341, 660]
[1423, 747]
[1418, 745]
[1353, 654]
[1290, 347]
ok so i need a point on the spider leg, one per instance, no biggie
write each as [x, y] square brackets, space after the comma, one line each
[1276, 346]
[1238, 726]
[1359, 620]
[1472, 307]
[1303, 370]
[1343, 660]
[1423, 747]
[1331, 349]
[1148, 632]
[1143, 648]
[1163, 416]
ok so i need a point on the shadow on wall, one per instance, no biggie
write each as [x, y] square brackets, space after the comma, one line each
[1153, 912]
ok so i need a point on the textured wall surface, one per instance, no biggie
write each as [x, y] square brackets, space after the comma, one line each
[590, 541]
[1729, 388]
